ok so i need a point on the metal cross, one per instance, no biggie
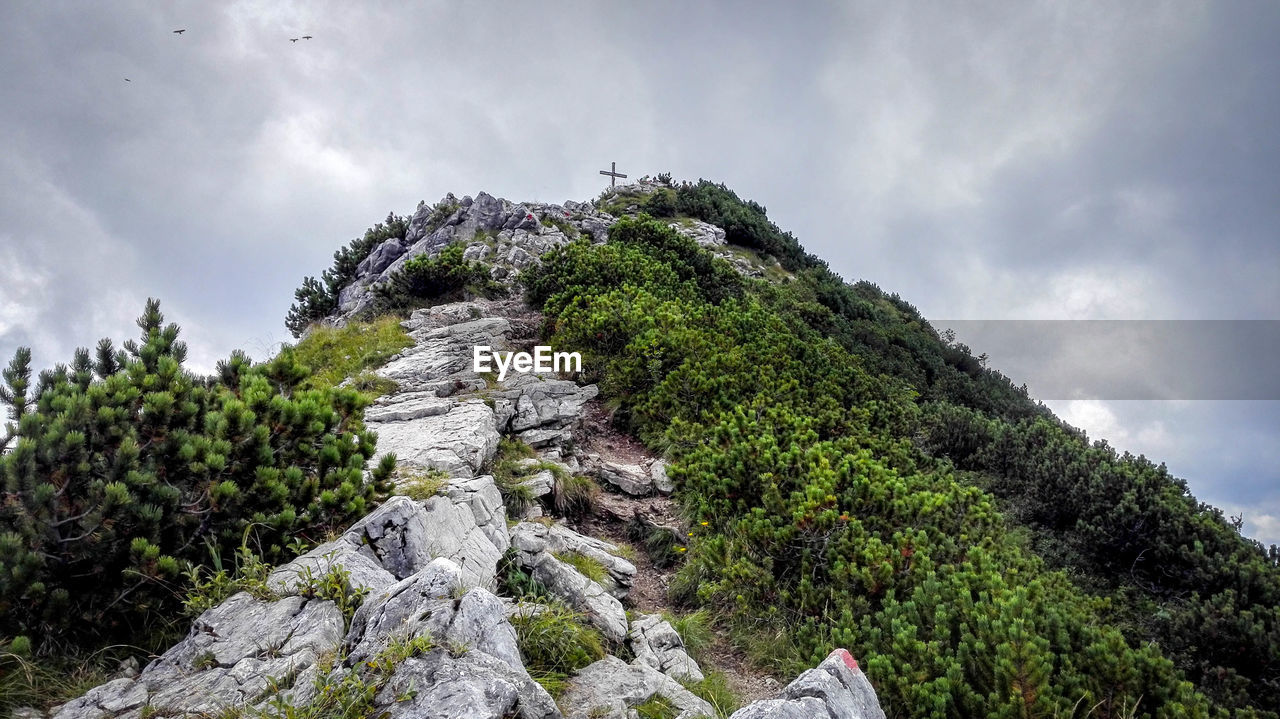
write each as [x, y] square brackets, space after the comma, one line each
[613, 174]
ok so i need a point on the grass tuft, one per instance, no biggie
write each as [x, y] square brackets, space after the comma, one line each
[336, 353]
[556, 642]
[714, 690]
[588, 567]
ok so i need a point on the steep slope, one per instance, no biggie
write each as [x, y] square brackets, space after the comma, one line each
[843, 478]
[1120, 513]
[411, 611]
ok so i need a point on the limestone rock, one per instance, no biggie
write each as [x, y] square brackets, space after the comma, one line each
[405, 536]
[835, 689]
[608, 688]
[381, 256]
[363, 571]
[658, 475]
[543, 402]
[458, 442]
[657, 644]
[705, 234]
[473, 685]
[230, 657]
[601, 608]
[629, 478]
[532, 538]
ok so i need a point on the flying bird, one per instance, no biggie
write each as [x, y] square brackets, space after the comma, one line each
[179, 32]
[294, 39]
[128, 80]
[306, 37]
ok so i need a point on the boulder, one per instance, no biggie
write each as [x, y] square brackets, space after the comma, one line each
[363, 571]
[477, 661]
[835, 689]
[405, 535]
[487, 212]
[532, 538]
[658, 475]
[601, 608]
[629, 478]
[607, 689]
[381, 257]
[232, 655]
[657, 644]
[471, 685]
[541, 402]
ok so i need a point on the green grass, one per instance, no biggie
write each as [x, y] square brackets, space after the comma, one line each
[714, 690]
[422, 485]
[335, 354]
[573, 495]
[657, 708]
[42, 683]
[695, 628]
[624, 551]
[588, 567]
[555, 643]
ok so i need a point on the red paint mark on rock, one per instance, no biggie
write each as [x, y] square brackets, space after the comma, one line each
[848, 659]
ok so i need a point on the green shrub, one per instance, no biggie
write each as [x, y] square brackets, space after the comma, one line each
[126, 470]
[661, 203]
[423, 281]
[824, 519]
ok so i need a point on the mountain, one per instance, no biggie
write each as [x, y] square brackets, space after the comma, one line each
[758, 471]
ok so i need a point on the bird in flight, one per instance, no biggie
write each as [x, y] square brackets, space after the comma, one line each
[306, 37]
[294, 39]
[128, 80]
[179, 32]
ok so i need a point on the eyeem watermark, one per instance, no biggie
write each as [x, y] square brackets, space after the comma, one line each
[543, 360]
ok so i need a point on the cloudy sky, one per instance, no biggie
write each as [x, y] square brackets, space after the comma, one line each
[989, 161]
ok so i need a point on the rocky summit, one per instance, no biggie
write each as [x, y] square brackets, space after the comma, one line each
[413, 603]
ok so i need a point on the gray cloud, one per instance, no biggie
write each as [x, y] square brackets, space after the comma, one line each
[997, 161]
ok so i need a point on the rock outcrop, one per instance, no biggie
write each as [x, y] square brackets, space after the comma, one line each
[607, 689]
[231, 656]
[657, 644]
[835, 689]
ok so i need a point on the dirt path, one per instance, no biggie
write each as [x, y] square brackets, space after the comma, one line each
[649, 592]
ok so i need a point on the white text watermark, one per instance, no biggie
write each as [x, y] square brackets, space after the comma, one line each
[484, 359]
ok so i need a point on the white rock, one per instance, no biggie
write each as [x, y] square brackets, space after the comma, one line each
[610, 687]
[657, 644]
[835, 689]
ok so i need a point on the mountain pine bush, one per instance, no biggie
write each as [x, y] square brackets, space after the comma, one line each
[425, 280]
[125, 470]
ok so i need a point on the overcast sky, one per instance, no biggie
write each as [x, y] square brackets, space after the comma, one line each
[991, 161]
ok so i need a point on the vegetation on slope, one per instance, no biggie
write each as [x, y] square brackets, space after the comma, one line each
[127, 470]
[795, 443]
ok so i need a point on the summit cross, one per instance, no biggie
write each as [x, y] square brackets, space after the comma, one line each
[613, 174]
